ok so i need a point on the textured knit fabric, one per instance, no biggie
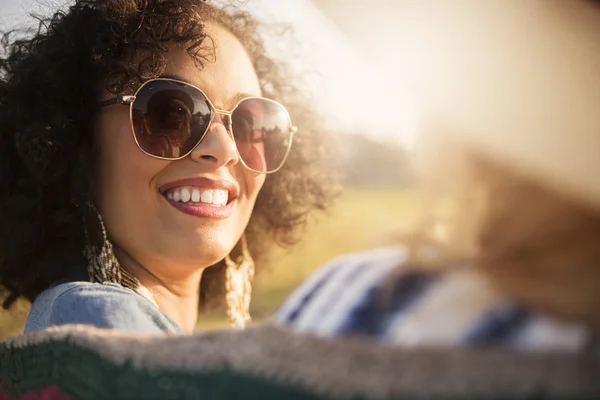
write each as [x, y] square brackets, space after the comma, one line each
[100, 305]
[376, 294]
[47, 393]
[273, 363]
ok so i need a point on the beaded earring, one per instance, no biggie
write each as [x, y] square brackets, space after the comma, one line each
[238, 286]
[103, 265]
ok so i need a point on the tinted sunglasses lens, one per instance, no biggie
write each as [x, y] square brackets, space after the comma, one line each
[169, 118]
[262, 132]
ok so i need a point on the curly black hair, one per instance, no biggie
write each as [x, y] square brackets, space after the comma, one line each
[49, 86]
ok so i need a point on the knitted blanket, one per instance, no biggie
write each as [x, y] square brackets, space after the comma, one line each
[267, 362]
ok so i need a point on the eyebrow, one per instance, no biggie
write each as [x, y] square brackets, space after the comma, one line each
[237, 97]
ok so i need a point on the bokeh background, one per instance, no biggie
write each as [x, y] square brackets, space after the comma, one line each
[340, 51]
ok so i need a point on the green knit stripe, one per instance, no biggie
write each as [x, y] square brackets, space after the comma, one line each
[83, 374]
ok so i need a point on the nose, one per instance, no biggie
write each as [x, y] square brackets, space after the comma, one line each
[217, 147]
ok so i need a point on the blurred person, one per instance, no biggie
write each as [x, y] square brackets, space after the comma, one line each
[127, 169]
[511, 137]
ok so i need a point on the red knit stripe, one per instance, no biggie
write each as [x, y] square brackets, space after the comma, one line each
[48, 393]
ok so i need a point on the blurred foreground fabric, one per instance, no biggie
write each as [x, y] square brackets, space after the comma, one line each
[267, 362]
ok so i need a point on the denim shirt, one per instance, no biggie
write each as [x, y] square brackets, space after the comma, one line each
[103, 305]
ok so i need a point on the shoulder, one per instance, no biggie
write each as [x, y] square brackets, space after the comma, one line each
[345, 289]
[100, 305]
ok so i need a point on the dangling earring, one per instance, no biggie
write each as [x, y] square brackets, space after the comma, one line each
[238, 286]
[103, 265]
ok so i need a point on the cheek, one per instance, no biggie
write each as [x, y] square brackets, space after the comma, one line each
[125, 173]
[250, 183]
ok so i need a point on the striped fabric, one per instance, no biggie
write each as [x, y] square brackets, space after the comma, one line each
[268, 363]
[376, 294]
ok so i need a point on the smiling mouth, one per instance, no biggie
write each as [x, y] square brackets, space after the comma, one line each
[195, 196]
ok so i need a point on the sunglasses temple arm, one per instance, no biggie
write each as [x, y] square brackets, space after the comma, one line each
[125, 100]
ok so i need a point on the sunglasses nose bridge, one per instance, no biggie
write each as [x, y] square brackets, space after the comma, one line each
[224, 113]
[226, 117]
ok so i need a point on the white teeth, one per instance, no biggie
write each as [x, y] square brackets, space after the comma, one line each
[189, 194]
[216, 198]
[185, 195]
[177, 195]
[195, 195]
[207, 197]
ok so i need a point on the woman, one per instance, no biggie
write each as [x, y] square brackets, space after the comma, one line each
[149, 137]
[511, 106]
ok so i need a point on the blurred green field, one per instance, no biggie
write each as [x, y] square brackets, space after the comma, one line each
[362, 218]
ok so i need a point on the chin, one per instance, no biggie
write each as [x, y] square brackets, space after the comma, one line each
[206, 254]
[199, 248]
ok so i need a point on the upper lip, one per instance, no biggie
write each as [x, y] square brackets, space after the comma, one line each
[204, 183]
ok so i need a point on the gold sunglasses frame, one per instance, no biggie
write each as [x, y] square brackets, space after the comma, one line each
[128, 100]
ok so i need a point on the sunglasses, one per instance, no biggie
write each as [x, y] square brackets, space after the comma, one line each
[169, 118]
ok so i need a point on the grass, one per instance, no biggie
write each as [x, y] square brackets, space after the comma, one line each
[361, 219]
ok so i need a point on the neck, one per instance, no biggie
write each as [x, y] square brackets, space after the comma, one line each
[178, 302]
[177, 295]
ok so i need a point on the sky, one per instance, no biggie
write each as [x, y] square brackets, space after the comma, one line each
[346, 83]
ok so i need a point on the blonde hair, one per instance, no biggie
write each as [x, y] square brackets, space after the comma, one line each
[536, 245]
